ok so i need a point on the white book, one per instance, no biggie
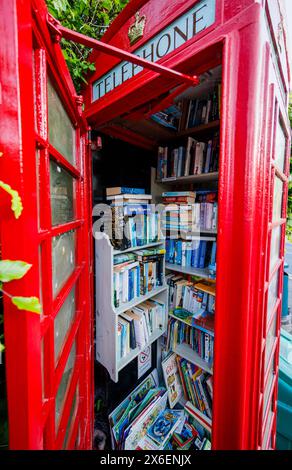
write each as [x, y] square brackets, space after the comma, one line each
[189, 151]
[121, 197]
[139, 328]
[199, 158]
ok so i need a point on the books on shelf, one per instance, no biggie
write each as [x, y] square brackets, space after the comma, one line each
[136, 326]
[133, 220]
[203, 110]
[196, 385]
[192, 158]
[142, 273]
[191, 254]
[172, 380]
[199, 341]
[189, 296]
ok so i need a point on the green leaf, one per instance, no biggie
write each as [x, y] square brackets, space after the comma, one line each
[2, 347]
[31, 304]
[16, 204]
[10, 270]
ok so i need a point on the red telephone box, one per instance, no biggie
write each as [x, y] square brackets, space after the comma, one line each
[247, 40]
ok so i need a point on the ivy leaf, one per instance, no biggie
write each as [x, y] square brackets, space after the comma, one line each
[16, 204]
[31, 304]
[10, 270]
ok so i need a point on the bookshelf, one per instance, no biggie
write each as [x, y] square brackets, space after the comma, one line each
[185, 351]
[189, 323]
[191, 179]
[194, 131]
[203, 273]
[107, 314]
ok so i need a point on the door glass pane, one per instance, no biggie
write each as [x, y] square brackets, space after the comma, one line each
[270, 340]
[63, 253]
[272, 295]
[63, 322]
[62, 194]
[277, 199]
[64, 384]
[268, 430]
[268, 388]
[61, 130]
[275, 247]
[72, 413]
[280, 150]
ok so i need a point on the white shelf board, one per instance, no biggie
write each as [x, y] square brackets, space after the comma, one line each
[135, 352]
[190, 355]
[188, 270]
[191, 409]
[138, 300]
[191, 178]
[143, 247]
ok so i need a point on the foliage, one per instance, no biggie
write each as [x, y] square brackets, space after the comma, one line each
[89, 17]
[11, 270]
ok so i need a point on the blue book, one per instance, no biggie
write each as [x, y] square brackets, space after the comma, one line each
[123, 190]
[178, 252]
[171, 250]
[213, 253]
[203, 254]
[167, 250]
[197, 251]
[164, 425]
[189, 257]
[138, 281]
[131, 284]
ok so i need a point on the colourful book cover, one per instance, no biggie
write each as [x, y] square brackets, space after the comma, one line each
[164, 425]
[172, 380]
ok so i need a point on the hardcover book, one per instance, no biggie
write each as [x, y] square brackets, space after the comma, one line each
[172, 380]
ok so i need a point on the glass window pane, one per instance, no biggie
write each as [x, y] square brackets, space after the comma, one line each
[61, 130]
[272, 295]
[268, 430]
[270, 340]
[268, 388]
[64, 384]
[277, 199]
[62, 194]
[72, 413]
[275, 247]
[63, 253]
[63, 321]
[280, 150]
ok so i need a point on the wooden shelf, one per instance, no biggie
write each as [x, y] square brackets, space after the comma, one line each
[190, 355]
[194, 130]
[138, 300]
[193, 325]
[204, 273]
[135, 248]
[204, 177]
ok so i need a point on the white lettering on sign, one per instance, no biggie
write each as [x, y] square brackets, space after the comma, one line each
[177, 33]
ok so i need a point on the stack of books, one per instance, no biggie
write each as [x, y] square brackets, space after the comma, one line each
[186, 211]
[136, 326]
[197, 386]
[136, 274]
[197, 254]
[134, 221]
[192, 158]
[200, 341]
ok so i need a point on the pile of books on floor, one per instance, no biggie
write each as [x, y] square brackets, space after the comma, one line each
[136, 274]
[188, 212]
[136, 326]
[197, 254]
[192, 158]
[134, 221]
[197, 386]
[144, 421]
[199, 341]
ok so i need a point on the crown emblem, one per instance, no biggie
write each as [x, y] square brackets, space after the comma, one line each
[136, 30]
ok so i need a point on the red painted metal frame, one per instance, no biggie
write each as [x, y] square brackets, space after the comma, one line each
[244, 40]
[31, 403]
